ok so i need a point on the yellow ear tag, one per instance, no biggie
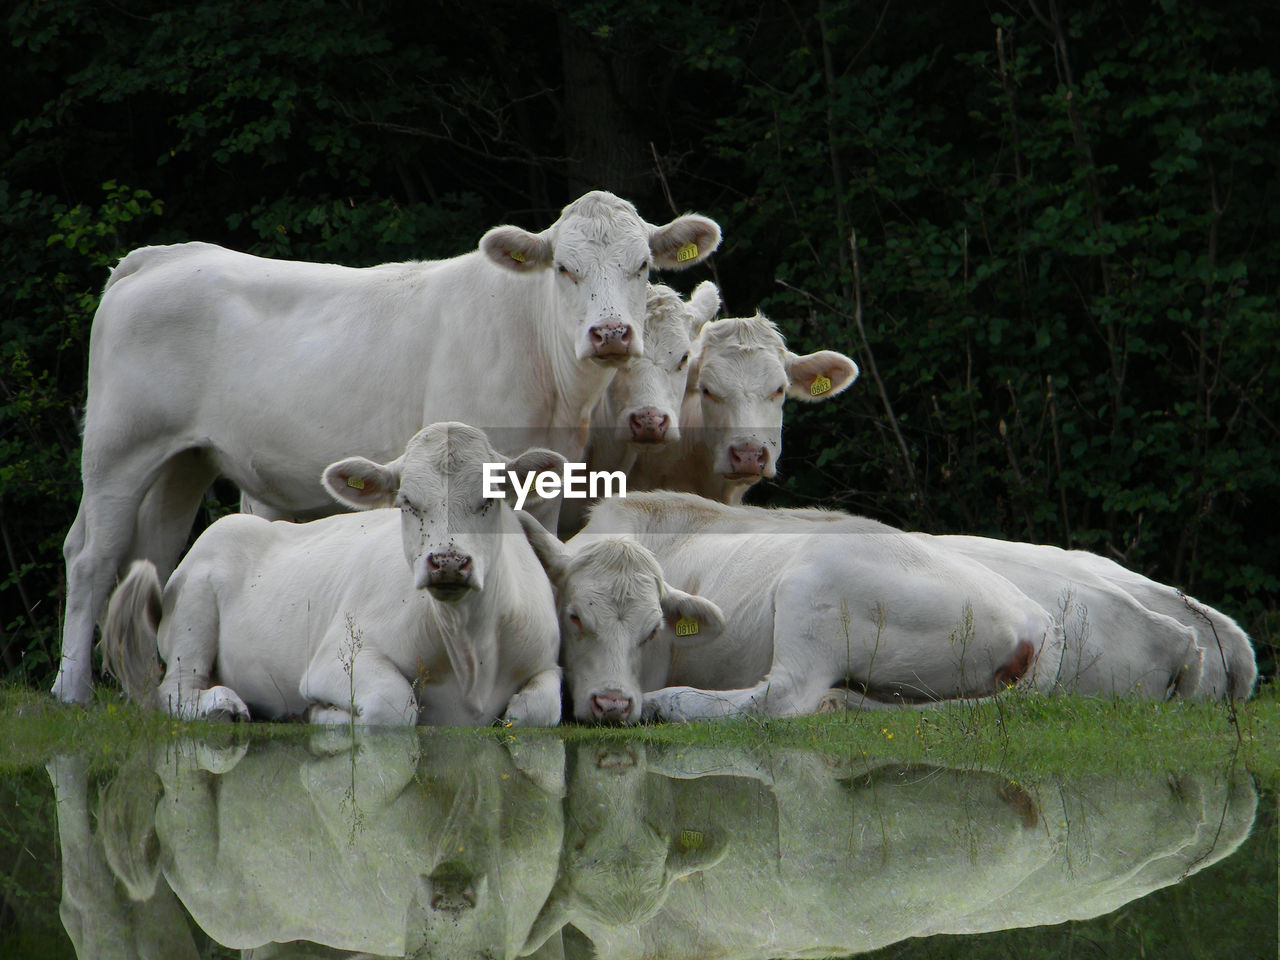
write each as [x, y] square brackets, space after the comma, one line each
[819, 386]
[686, 628]
[355, 483]
[687, 252]
[691, 839]
[517, 256]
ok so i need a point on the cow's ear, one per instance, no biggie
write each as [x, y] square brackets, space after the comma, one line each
[818, 376]
[363, 484]
[690, 617]
[694, 850]
[517, 249]
[704, 304]
[683, 242]
[550, 551]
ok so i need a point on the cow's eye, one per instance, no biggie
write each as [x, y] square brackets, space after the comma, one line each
[575, 620]
[643, 269]
[566, 272]
[683, 361]
[777, 394]
[708, 394]
[652, 633]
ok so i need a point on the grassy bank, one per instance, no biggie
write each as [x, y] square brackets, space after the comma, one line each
[1027, 734]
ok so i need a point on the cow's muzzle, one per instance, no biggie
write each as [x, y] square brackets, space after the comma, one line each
[748, 460]
[448, 575]
[649, 425]
[611, 706]
[610, 340]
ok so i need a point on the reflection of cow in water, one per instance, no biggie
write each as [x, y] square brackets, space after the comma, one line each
[689, 852]
[384, 849]
[414, 845]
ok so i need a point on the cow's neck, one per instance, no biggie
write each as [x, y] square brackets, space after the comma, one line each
[467, 629]
[577, 387]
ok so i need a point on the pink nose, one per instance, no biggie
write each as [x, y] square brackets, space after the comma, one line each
[448, 570]
[749, 458]
[612, 339]
[610, 706]
[649, 426]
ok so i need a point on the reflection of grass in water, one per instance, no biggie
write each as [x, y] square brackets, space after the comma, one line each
[1028, 733]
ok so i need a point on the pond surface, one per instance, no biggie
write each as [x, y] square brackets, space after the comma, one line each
[430, 845]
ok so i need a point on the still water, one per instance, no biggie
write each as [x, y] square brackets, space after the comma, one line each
[429, 845]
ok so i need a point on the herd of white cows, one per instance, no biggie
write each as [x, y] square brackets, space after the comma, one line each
[317, 387]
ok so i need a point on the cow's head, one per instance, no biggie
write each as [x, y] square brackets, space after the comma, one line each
[450, 528]
[602, 251]
[743, 372]
[643, 400]
[622, 851]
[618, 620]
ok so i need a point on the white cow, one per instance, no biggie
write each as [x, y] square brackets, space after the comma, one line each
[1230, 664]
[1112, 644]
[618, 622]
[640, 410]
[327, 618]
[731, 420]
[811, 600]
[207, 362]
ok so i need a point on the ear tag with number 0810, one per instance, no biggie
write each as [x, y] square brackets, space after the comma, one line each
[686, 628]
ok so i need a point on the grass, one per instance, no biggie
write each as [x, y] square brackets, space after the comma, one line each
[1028, 735]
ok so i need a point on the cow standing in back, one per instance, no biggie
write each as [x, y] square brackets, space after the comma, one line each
[206, 362]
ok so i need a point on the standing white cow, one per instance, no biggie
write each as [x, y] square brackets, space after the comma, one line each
[207, 362]
[1112, 644]
[273, 619]
[811, 601]
[739, 375]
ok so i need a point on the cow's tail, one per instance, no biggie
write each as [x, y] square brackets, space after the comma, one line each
[129, 651]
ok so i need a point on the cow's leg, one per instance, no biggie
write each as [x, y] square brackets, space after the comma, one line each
[95, 550]
[190, 646]
[365, 688]
[537, 703]
[809, 655]
[109, 528]
[169, 508]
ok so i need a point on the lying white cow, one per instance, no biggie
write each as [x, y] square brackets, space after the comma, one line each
[640, 410]
[731, 420]
[203, 361]
[1112, 644]
[811, 601]
[1230, 664]
[327, 618]
[618, 621]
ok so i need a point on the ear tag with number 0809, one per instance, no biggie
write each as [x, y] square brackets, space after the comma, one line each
[819, 386]
[686, 628]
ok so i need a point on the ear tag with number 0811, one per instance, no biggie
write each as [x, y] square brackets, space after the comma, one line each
[687, 252]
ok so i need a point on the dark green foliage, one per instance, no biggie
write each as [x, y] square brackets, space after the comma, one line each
[1064, 222]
